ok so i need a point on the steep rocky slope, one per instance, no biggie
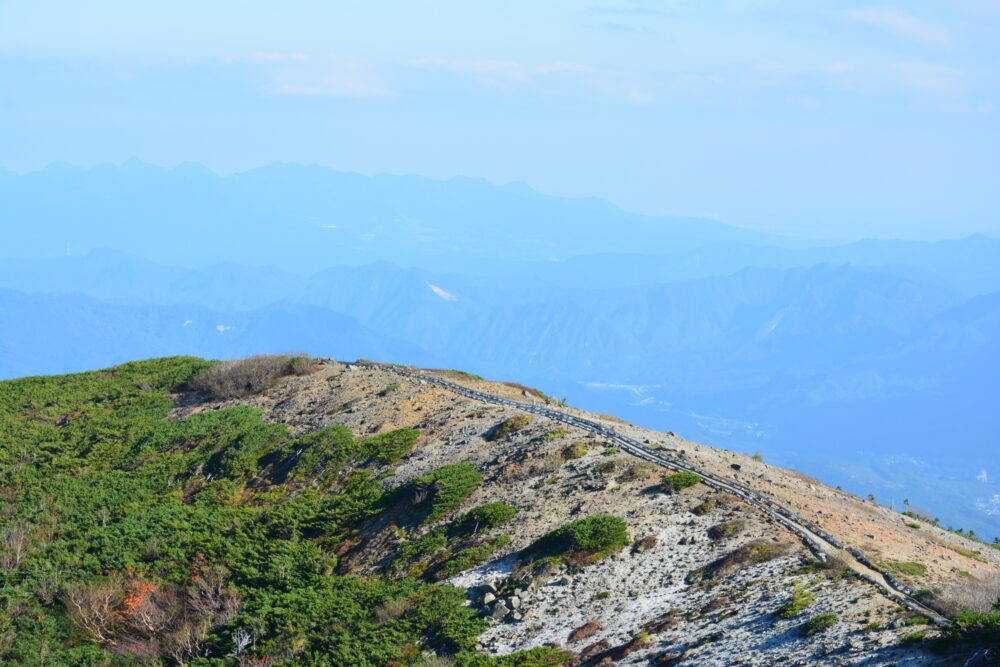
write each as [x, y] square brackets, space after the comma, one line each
[704, 576]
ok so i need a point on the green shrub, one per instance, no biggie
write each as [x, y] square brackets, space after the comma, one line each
[388, 390]
[330, 450]
[913, 637]
[389, 447]
[818, 624]
[724, 530]
[917, 619]
[509, 427]
[470, 557]
[113, 499]
[586, 540]
[605, 467]
[541, 656]
[910, 568]
[558, 433]
[574, 451]
[679, 481]
[483, 518]
[801, 599]
[446, 488]
[713, 503]
[976, 626]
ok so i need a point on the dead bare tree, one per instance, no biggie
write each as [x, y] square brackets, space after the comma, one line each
[13, 546]
[94, 609]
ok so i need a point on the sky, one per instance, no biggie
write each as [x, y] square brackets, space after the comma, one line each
[834, 119]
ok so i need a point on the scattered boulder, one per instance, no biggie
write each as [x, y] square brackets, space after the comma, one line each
[500, 611]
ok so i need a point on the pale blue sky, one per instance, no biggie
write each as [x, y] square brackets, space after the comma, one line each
[841, 119]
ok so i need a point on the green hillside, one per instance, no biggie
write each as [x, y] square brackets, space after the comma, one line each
[128, 538]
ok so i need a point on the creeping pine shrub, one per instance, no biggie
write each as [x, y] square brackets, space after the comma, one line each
[483, 518]
[679, 481]
[173, 549]
[509, 427]
[818, 624]
[724, 530]
[242, 377]
[574, 451]
[801, 599]
[434, 494]
[584, 541]
[540, 656]
[467, 558]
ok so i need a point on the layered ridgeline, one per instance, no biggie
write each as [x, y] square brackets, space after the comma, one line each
[283, 510]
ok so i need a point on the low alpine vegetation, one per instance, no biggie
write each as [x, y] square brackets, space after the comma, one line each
[127, 538]
[801, 599]
[509, 427]
[727, 529]
[818, 624]
[582, 542]
[753, 553]
[679, 481]
[908, 568]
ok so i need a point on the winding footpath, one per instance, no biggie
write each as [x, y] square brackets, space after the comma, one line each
[818, 540]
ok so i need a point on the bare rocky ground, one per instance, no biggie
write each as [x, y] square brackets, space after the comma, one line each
[639, 608]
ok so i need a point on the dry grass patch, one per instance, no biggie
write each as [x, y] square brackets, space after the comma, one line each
[977, 595]
[748, 555]
[242, 377]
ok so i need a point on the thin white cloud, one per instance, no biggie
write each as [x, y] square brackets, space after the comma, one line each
[490, 72]
[566, 77]
[267, 58]
[503, 70]
[928, 78]
[902, 25]
[303, 74]
[687, 77]
[636, 96]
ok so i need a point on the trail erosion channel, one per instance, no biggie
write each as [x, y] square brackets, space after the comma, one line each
[820, 542]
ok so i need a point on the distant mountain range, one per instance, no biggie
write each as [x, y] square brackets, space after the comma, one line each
[305, 217]
[836, 359]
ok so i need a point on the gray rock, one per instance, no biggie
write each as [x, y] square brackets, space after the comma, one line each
[488, 598]
[500, 611]
[514, 602]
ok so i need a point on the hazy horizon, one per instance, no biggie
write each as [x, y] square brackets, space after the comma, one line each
[819, 119]
[822, 236]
